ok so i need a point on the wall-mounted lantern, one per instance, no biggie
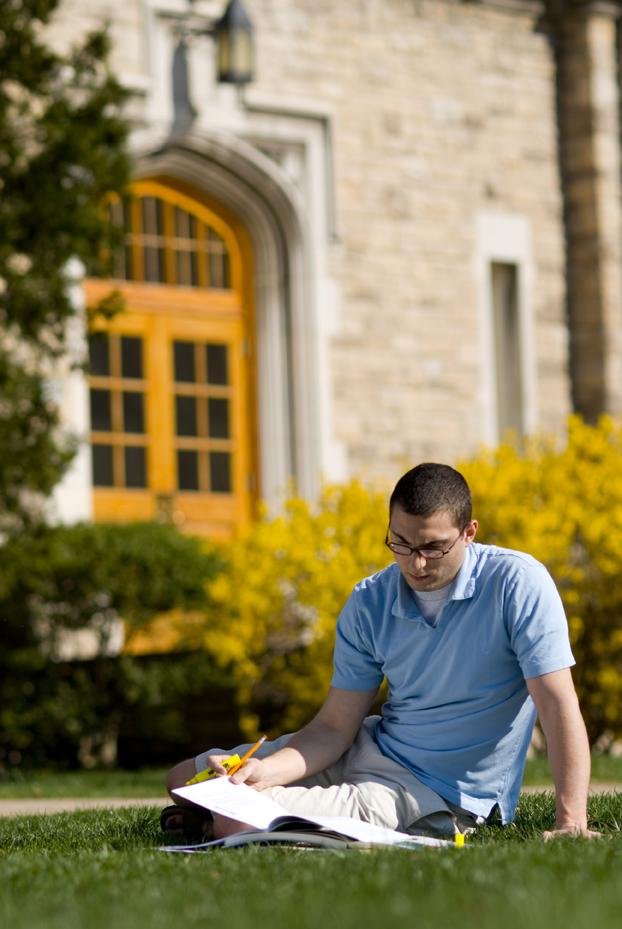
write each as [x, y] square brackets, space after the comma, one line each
[233, 38]
[234, 44]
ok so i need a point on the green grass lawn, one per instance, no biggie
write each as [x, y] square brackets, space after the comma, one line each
[149, 782]
[145, 783]
[605, 770]
[101, 870]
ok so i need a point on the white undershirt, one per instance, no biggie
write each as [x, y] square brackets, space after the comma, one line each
[431, 602]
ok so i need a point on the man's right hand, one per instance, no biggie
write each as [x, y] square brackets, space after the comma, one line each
[252, 771]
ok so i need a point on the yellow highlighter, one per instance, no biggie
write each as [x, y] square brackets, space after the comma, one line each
[228, 763]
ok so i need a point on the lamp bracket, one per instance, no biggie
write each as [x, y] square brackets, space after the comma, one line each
[189, 24]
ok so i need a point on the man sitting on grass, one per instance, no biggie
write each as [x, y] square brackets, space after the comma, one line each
[469, 638]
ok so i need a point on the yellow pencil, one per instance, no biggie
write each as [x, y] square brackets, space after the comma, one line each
[248, 754]
[207, 775]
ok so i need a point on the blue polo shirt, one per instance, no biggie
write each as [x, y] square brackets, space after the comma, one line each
[458, 713]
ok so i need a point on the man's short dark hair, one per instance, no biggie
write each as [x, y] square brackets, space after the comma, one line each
[430, 488]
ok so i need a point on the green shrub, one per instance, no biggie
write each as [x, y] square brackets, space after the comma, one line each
[59, 581]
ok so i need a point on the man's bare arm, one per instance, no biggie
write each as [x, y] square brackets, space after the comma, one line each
[567, 748]
[329, 734]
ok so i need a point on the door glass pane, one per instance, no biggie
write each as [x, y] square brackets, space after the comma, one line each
[182, 271]
[217, 368]
[102, 466]
[101, 411]
[187, 470]
[218, 418]
[184, 362]
[220, 472]
[194, 270]
[131, 357]
[135, 466]
[154, 265]
[219, 275]
[152, 216]
[185, 224]
[133, 412]
[186, 268]
[118, 219]
[99, 354]
[186, 413]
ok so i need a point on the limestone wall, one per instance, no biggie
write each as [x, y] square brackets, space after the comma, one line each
[441, 111]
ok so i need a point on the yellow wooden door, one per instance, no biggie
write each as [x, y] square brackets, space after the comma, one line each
[171, 377]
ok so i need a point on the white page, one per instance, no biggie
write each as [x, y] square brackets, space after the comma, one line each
[237, 801]
[370, 832]
[357, 829]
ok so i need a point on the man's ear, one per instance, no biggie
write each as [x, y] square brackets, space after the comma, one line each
[470, 531]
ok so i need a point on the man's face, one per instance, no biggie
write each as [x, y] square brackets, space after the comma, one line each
[437, 531]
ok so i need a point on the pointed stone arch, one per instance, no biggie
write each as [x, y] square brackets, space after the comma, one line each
[264, 200]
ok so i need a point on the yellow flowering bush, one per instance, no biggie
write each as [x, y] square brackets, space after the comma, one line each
[562, 503]
[279, 597]
[286, 580]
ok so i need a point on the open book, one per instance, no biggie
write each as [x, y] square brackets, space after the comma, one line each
[269, 822]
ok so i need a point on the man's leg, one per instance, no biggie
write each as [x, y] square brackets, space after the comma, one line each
[178, 777]
[370, 802]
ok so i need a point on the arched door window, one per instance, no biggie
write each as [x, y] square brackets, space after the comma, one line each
[170, 377]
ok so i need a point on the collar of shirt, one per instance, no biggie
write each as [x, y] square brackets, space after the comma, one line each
[405, 606]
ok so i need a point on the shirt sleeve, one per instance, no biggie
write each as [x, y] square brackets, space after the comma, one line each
[355, 667]
[538, 624]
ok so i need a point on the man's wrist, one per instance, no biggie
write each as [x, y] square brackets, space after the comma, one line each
[571, 823]
[571, 808]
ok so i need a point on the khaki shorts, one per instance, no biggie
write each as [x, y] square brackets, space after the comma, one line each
[366, 785]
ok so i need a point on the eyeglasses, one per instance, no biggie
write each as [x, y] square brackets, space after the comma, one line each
[429, 554]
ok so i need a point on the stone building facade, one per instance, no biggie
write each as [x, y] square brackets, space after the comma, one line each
[427, 203]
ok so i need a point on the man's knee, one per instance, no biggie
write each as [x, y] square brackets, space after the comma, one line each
[179, 775]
